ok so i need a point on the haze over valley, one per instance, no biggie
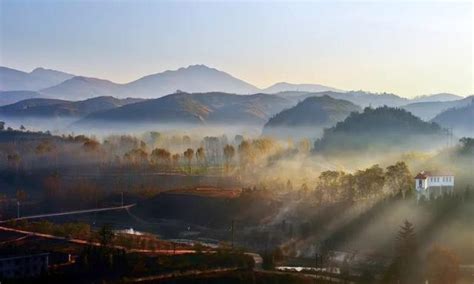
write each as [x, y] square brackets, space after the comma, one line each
[261, 142]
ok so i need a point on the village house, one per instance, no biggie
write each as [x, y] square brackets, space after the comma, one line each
[433, 184]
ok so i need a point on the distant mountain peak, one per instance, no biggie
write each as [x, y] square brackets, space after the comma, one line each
[440, 97]
[38, 69]
[199, 66]
[39, 78]
[285, 87]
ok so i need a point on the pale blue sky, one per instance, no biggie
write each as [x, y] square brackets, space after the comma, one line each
[409, 48]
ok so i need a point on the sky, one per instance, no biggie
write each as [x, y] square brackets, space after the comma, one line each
[408, 48]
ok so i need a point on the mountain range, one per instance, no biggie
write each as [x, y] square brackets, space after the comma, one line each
[56, 108]
[60, 85]
[194, 109]
[192, 79]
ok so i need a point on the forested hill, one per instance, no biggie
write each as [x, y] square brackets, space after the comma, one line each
[314, 110]
[381, 128]
[310, 115]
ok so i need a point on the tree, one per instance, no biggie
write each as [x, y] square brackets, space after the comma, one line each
[188, 154]
[347, 188]
[467, 145]
[405, 268]
[229, 153]
[175, 159]
[154, 137]
[201, 156]
[160, 156]
[136, 156]
[213, 148]
[106, 236]
[91, 145]
[244, 154]
[441, 266]
[369, 182]
[43, 147]
[399, 178]
[329, 183]
[2, 125]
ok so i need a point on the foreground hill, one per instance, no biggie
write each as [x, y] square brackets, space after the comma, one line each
[428, 110]
[11, 79]
[53, 108]
[10, 97]
[309, 117]
[382, 128]
[205, 108]
[461, 119]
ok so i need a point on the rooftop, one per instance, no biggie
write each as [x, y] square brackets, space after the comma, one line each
[425, 174]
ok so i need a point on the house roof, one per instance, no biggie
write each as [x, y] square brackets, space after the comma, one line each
[426, 174]
[420, 176]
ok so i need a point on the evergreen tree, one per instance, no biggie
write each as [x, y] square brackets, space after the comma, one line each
[406, 240]
[405, 268]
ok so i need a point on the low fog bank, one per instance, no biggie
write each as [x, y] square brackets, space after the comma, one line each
[101, 129]
[293, 132]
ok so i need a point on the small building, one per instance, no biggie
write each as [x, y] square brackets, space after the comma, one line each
[23, 266]
[433, 184]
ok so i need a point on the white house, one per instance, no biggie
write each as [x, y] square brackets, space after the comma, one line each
[433, 184]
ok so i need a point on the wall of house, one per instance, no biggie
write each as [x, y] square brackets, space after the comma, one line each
[423, 184]
[440, 181]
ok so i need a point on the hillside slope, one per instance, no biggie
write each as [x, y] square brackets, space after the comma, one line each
[54, 108]
[11, 97]
[428, 110]
[205, 108]
[309, 117]
[460, 119]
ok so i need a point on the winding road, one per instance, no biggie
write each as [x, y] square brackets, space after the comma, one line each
[85, 211]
